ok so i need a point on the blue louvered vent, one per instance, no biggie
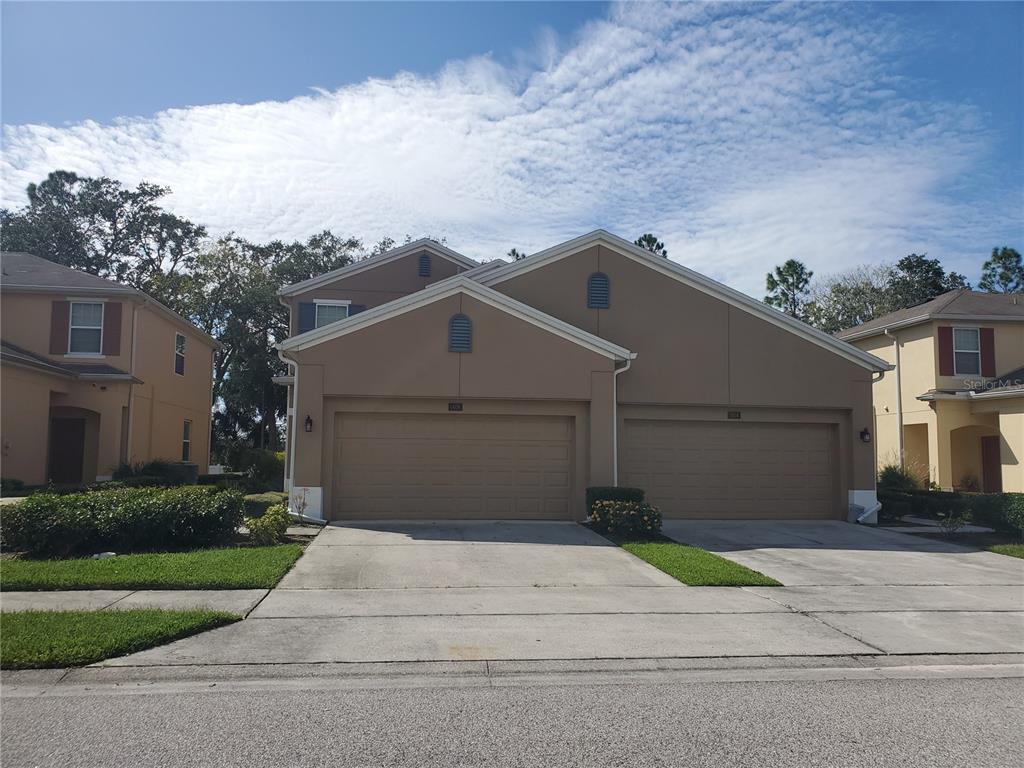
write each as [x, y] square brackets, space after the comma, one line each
[597, 291]
[460, 334]
[425, 265]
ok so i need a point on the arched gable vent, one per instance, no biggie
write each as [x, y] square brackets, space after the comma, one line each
[597, 291]
[460, 334]
[425, 265]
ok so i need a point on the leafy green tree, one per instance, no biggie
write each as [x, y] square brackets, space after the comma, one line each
[515, 254]
[916, 279]
[848, 299]
[1003, 272]
[649, 242]
[787, 288]
[99, 226]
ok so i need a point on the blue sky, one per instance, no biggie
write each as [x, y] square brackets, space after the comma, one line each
[742, 135]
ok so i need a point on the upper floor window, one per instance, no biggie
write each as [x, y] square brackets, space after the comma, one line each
[460, 334]
[597, 291]
[86, 328]
[179, 354]
[425, 265]
[328, 312]
[966, 352]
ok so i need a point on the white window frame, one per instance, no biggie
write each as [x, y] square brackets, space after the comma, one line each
[328, 303]
[71, 325]
[977, 332]
[184, 348]
[186, 442]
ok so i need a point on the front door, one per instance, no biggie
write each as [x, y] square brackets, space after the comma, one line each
[991, 465]
[67, 450]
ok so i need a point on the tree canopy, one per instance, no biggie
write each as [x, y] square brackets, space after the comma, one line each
[1003, 272]
[649, 242]
[787, 288]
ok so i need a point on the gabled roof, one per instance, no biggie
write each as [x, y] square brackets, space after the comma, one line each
[960, 305]
[456, 285]
[423, 244]
[24, 273]
[12, 353]
[692, 279]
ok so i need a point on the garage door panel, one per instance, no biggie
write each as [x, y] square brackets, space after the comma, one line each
[728, 469]
[390, 465]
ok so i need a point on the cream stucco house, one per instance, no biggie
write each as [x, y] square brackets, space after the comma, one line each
[953, 409]
[425, 385]
[94, 375]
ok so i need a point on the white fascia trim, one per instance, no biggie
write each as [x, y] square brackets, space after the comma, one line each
[475, 272]
[694, 280]
[450, 288]
[424, 244]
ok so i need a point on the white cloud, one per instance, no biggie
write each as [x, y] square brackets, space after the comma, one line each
[741, 135]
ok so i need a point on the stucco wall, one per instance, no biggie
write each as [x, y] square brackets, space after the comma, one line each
[378, 285]
[24, 419]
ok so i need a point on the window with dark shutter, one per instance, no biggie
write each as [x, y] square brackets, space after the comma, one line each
[307, 316]
[425, 265]
[597, 291]
[460, 334]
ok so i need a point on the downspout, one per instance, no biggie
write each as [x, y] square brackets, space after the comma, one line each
[899, 397]
[294, 419]
[615, 418]
[132, 385]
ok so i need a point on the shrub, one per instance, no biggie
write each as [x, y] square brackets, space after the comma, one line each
[893, 477]
[264, 468]
[121, 520]
[952, 521]
[11, 487]
[168, 472]
[625, 517]
[270, 527]
[257, 504]
[612, 493]
[134, 481]
[1013, 512]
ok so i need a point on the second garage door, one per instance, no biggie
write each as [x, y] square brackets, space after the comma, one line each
[732, 470]
[407, 466]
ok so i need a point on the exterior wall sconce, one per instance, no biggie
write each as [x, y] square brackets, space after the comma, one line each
[865, 435]
[309, 424]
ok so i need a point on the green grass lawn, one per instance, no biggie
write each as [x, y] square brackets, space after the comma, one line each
[1013, 550]
[231, 568]
[35, 639]
[692, 565]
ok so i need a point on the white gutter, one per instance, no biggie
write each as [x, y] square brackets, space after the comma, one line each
[899, 396]
[615, 417]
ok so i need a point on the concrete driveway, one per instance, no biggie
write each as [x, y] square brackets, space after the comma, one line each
[501, 591]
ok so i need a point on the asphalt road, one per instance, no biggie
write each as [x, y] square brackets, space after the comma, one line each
[934, 723]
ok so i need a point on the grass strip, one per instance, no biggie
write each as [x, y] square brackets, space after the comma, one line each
[229, 568]
[693, 566]
[42, 639]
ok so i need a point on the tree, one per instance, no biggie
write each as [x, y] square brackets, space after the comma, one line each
[1003, 272]
[96, 225]
[787, 288]
[649, 242]
[916, 279]
[515, 254]
[848, 299]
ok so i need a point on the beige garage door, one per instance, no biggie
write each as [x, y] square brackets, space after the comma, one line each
[732, 469]
[452, 466]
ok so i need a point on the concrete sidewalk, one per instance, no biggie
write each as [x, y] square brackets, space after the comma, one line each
[240, 601]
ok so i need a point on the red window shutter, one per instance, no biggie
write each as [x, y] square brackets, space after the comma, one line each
[60, 323]
[987, 338]
[945, 350]
[112, 328]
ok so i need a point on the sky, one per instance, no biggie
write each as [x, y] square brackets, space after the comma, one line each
[742, 135]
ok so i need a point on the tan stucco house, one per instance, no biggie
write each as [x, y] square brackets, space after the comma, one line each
[95, 375]
[953, 409]
[425, 385]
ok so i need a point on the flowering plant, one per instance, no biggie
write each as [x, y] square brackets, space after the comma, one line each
[625, 517]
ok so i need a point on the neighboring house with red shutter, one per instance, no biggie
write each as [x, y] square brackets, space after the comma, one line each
[94, 375]
[953, 408]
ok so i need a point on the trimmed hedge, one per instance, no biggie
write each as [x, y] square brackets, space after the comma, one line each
[270, 527]
[1001, 511]
[122, 520]
[625, 517]
[612, 493]
[256, 504]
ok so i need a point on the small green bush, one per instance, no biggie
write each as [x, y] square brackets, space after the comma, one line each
[9, 486]
[625, 517]
[263, 468]
[612, 493]
[1013, 512]
[270, 527]
[121, 520]
[893, 477]
[166, 472]
[257, 504]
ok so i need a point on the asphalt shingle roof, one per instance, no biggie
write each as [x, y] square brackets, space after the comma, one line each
[23, 270]
[960, 303]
